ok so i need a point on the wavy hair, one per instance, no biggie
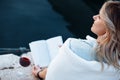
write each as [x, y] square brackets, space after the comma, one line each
[109, 52]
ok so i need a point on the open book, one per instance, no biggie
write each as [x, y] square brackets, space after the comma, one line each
[43, 51]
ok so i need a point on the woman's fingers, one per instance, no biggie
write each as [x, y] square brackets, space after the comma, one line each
[35, 67]
[35, 70]
[42, 70]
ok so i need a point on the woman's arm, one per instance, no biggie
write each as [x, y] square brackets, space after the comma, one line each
[39, 72]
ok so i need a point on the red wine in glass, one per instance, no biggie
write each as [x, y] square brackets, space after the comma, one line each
[24, 61]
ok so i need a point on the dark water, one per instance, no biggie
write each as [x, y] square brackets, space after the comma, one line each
[23, 21]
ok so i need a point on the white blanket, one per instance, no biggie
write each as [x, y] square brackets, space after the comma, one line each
[68, 66]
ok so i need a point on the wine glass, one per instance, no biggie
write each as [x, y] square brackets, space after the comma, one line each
[24, 60]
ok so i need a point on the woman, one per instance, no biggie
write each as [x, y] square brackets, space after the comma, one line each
[88, 59]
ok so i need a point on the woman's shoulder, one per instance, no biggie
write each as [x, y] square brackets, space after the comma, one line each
[82, 47]
[90, 41]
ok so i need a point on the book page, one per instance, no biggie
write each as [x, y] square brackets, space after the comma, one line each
[39, 51]
[54, 45]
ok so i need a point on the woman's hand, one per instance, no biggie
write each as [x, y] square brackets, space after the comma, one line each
[42, 72]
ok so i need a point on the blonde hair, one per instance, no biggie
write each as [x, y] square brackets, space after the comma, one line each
[109, 52]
